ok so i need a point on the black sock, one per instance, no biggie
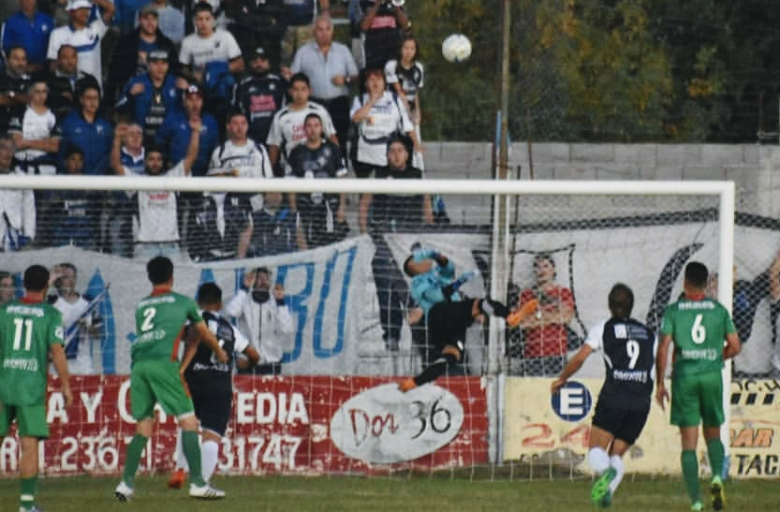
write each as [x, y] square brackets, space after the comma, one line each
[436, 369]
[493, 308]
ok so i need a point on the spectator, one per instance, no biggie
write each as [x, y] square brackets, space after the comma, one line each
[287, 127]
[209, 58]
[171, 20]
[239, 155]
[405, 76]
[156, 230]
[299, 19]
[174, 134]
[30, 29]
[88, 130]
[319, 216]
[13, 86]
[331, 69]
[71, 217]
[260, 95]
[355, 17]
[79, 318]
[389, 214]
[257, 23]
[17, 207]
[273, 228]
[65, 82]
[131, 56]
[546, 334]
[264, 316]
[383, 25]
[127, 13]
[379, 117]
[84, 35]
[149, 97]
[59, 10]
[36, 133]
[222, 227]
[132, 159]
[7, 288]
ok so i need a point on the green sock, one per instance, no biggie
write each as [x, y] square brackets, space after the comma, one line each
[191, 447]
[133, 458]
[690, 469]
[716, 454]
[29, 486]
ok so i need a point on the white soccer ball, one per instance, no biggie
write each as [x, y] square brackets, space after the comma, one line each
[456, 48]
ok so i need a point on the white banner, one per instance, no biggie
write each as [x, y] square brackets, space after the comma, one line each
[323, 287]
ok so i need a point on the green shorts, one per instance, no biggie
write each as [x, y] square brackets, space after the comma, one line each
[697, 399]
[153, 382]
[30, 420]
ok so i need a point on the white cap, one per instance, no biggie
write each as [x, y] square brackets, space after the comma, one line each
[79, 4]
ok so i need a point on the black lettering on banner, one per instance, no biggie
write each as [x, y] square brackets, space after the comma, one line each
[439, 418]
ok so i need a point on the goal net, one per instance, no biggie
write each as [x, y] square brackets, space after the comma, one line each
[327, 303]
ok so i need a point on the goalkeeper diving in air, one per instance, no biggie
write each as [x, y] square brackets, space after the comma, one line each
[448, 311]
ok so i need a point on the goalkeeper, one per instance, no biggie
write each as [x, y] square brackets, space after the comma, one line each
[448, 312]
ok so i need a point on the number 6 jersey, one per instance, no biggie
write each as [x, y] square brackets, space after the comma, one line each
[628, 348]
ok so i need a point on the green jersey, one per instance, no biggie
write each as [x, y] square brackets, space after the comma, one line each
[27, 330]
[698, 328]
[159, 323]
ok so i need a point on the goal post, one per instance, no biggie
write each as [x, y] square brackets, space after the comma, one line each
[333, 407]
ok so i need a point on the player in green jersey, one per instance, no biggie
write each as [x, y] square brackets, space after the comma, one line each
[156, 377]
[697, 326]
[30, 331]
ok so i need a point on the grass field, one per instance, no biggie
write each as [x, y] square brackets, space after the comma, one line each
[377, 494]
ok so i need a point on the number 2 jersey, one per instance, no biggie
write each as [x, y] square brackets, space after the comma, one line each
[27, 330]
[699, 329]
[159, 322]
[628, 348]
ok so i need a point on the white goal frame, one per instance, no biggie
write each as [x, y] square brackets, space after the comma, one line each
[724, 190]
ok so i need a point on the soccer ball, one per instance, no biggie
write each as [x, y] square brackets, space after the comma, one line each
[456, 48]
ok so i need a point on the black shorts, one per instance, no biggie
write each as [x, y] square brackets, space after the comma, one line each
[447, 324]
[213, 403]
[624, 424]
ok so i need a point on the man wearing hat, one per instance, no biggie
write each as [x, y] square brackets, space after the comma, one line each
[260, 95]
[83, 35]
[131, 57]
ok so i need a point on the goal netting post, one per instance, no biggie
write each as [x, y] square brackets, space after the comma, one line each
[333, 315]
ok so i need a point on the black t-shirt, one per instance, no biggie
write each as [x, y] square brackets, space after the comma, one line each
[401, 212]
[207, 243]
[259, 98]
[204, 366]
[629, 357]
[323, 162]
[16, 85]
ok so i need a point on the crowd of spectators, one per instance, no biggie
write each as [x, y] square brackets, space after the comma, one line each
[249, 88]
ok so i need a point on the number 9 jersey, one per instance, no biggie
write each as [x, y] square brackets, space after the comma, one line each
[699, 329]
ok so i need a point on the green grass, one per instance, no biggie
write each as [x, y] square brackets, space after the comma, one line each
[395, 494]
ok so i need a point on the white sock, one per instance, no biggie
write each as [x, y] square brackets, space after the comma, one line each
[209, 453]
[181, 460]
[616, 461]
[598, 460]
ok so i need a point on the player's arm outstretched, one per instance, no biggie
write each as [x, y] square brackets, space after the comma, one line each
[572, 367]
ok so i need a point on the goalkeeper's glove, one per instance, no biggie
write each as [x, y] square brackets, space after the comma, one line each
[425, 254]
[451, 288]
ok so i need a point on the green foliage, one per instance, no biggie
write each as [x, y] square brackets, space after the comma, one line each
[605, 70]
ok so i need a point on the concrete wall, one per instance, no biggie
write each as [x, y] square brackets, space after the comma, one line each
[753, 168]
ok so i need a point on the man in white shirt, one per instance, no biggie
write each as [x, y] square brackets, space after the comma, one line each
[208, 45]
[17, 207]
[83, 35]
[239, 155]
[36, 132]
[265, 317]
[287, 128]
[82, 325]
[156, 226]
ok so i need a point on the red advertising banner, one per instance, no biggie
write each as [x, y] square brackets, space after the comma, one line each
[306, 425]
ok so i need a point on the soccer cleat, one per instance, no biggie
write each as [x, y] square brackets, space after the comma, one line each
[177, 479]
[123, 492]
[697, 507]
[35, 508]
[601, 486]
[718, 495]
[606, 501]
[205, 492]
[521, 313]
[407, 384]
